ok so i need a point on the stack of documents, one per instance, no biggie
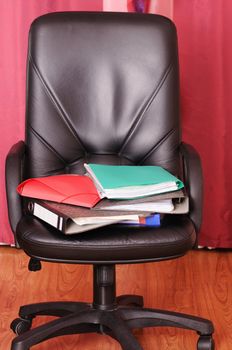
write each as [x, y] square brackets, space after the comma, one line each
[72, 219]
[171, 202]
[106, 195]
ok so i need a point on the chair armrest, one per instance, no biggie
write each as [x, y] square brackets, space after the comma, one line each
[193, 180]
[14, 175]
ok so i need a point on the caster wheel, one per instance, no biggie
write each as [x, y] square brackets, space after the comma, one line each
[21, 325]
[205, 342]
[34, 265]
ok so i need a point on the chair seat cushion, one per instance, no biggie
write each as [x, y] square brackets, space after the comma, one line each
[111, 244]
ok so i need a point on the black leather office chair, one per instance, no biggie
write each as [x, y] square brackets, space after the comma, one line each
[103, 88]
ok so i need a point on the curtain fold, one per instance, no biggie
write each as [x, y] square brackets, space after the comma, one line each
[161, 7]
[205, 48]
[117, 6]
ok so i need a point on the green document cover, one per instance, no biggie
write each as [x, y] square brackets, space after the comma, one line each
[114, 176]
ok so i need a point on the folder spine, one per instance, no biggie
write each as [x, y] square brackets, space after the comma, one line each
[41, 212]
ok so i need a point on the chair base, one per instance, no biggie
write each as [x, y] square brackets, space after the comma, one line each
[108, 314]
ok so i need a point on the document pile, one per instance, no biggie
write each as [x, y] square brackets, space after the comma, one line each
[107, 194]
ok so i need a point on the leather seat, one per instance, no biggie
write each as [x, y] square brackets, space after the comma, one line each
[112, 244]
[103, 88]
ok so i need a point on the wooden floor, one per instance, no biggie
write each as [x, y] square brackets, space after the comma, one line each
[199, 283]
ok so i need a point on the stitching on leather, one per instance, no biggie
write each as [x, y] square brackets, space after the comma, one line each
[78, 160]
[108, 247]
[56, 102]
[60, 245]
[47, 145]
[157, 145]
[141, 115]
[75, 162]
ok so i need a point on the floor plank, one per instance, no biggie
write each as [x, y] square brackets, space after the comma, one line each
[199, 283]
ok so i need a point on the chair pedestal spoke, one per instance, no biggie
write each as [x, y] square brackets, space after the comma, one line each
[136, 300]
[58, 308]
[121, 332]
[62, 326]
[142, 317]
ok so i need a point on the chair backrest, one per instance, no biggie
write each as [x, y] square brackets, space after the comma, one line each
[102, 87]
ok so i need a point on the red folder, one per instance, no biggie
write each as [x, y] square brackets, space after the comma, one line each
[71, 189]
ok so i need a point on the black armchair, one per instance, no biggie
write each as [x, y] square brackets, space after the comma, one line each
[103, 88]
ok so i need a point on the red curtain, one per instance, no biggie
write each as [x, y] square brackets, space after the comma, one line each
[15, 19]
[161, 7]
[206, 85]
[205, 46]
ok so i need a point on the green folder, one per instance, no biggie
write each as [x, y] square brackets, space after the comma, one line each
[116, 177]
